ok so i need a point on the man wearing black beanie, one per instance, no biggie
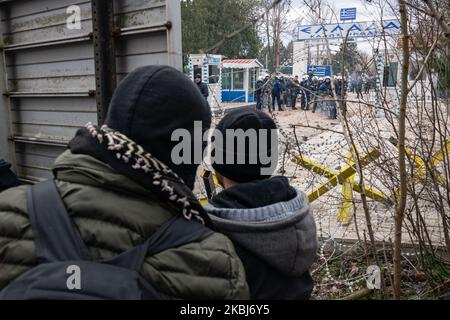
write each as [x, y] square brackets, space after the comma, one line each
[120, 187]
[269, 222]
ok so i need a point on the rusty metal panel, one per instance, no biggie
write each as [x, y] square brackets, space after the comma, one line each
[6, 145]
[34, 161]
[149, 32]
[139, 13]
[51, 83]
[50, 79]
[38, 21]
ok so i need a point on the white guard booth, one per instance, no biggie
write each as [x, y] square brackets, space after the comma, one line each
[210, 67]
[239, 80]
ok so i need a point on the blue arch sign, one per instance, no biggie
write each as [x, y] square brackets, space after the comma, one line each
[365, 29]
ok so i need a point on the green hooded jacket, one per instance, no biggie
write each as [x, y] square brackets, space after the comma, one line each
[114, 214]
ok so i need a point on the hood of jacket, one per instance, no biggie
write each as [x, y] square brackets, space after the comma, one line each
[281, 232]
[154, 102]
[86, 170]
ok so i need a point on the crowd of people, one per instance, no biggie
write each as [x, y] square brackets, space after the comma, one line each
[362, 84]
[315, 93]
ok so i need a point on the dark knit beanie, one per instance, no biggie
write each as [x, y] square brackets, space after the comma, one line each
[245, 119]
[150, 104]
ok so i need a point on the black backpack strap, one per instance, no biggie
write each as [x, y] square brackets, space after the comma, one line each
[177, 232]
[174, 233]
[55, 235]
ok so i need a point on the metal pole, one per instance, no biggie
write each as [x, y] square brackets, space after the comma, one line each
[174, 34]
[105, 58]
[7, 148]
[309, 53]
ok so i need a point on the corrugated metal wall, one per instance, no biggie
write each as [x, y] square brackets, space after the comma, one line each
[50, 70]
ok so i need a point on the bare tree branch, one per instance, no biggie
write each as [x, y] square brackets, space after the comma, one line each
[439, 18]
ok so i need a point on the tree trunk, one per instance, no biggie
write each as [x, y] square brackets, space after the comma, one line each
[277, 36]
[269, 51]
[401, 206]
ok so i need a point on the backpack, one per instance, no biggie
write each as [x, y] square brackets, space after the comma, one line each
[277, 87]
[66, 270]
[7, 178]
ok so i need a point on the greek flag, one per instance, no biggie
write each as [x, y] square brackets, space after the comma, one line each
[348, 14]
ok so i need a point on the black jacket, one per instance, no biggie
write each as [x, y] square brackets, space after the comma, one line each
[203, 87]
[259, 88]
[7, 178]
[295, 88]
[273, 231]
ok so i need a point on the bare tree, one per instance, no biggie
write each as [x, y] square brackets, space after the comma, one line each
[276, 25]
[413, 138]
[400, 211]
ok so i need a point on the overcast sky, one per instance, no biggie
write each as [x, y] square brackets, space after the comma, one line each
[365, 11]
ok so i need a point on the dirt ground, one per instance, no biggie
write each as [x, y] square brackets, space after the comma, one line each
[330, 149]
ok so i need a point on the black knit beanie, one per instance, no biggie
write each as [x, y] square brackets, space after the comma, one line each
[150, 104]
[244, 118]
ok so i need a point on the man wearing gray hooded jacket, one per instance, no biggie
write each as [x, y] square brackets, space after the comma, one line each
[269, 222]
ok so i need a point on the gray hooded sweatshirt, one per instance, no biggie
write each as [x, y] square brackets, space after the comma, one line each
[278, 237]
